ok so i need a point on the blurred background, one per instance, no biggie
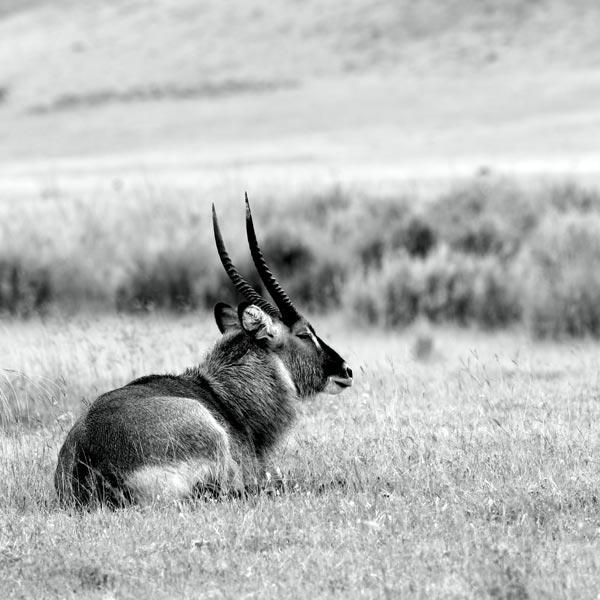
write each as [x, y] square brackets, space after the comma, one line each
[406, 160]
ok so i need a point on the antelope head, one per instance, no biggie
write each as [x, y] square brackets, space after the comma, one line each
[279, 328]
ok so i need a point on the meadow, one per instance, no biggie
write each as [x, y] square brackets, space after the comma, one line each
[462, 464]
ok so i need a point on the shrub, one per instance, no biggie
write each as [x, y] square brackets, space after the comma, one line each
[496, 296]
[446, 286]
[24, 289]
[171, 283]
[570, 197]
[313, 277]
[383, 226]
[215, 286]
[484, 217]
[468, 289]
[389, 296]
[487, 252]
[365, 228]
[417, 237]
[164, 284]
[559, 276]
[286, 253]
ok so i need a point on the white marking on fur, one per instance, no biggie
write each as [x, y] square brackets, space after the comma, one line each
[253, 318]
[286, 376]
[313, 337]
[170, 481]
[173, 480]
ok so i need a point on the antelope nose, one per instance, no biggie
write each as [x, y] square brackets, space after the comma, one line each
[348, 372]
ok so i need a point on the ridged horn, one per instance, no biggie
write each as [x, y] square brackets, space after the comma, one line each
[241, 285]
[288, 311]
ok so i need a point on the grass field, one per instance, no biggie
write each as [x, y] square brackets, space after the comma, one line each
[469, 470]
[462, 464]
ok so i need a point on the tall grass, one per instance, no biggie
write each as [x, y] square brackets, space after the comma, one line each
[488, 251]
[560, 276]
[470, 475]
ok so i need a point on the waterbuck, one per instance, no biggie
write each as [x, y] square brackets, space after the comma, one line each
[208, 429]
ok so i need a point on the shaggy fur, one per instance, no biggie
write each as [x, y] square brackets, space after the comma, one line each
[229, 411]
[208, 429]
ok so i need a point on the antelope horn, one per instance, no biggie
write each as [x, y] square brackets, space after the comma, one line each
[288, 311]
[241, 285]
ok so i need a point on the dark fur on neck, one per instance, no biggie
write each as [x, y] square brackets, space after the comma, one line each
[247, 390]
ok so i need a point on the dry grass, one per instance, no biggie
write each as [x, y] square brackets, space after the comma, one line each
[467, 473]
[468, 469]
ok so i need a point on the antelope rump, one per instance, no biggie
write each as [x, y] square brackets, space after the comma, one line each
[208, 429]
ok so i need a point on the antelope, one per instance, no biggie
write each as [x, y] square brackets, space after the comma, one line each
[209, 429]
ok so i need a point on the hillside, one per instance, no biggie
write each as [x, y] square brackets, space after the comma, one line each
[82, 51]
[343, 81]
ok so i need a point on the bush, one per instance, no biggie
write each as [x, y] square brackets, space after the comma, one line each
[388, 297]
[487, 252]
[447, 286]
[467, 289]
[381, 226]
[570, 197]
[484, 217]
[215, 286]
[560, 279]
[24, 289]
[165, 284]
[313, 277]
[286, 253]
[417, 237]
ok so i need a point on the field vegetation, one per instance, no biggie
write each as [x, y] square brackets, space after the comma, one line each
[460, 465]
[463, 463]
[490, 252]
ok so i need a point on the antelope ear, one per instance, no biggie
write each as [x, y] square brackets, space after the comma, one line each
[257, 323]
[226, 317]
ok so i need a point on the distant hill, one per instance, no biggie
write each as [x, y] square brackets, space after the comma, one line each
[383, 80]
[62, 53]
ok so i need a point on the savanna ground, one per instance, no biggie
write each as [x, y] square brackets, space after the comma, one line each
[464, 461]
[465, 469]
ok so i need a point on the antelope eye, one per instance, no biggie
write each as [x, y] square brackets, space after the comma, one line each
[305, 335]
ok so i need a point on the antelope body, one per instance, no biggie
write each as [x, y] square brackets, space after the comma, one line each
[208, 429]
